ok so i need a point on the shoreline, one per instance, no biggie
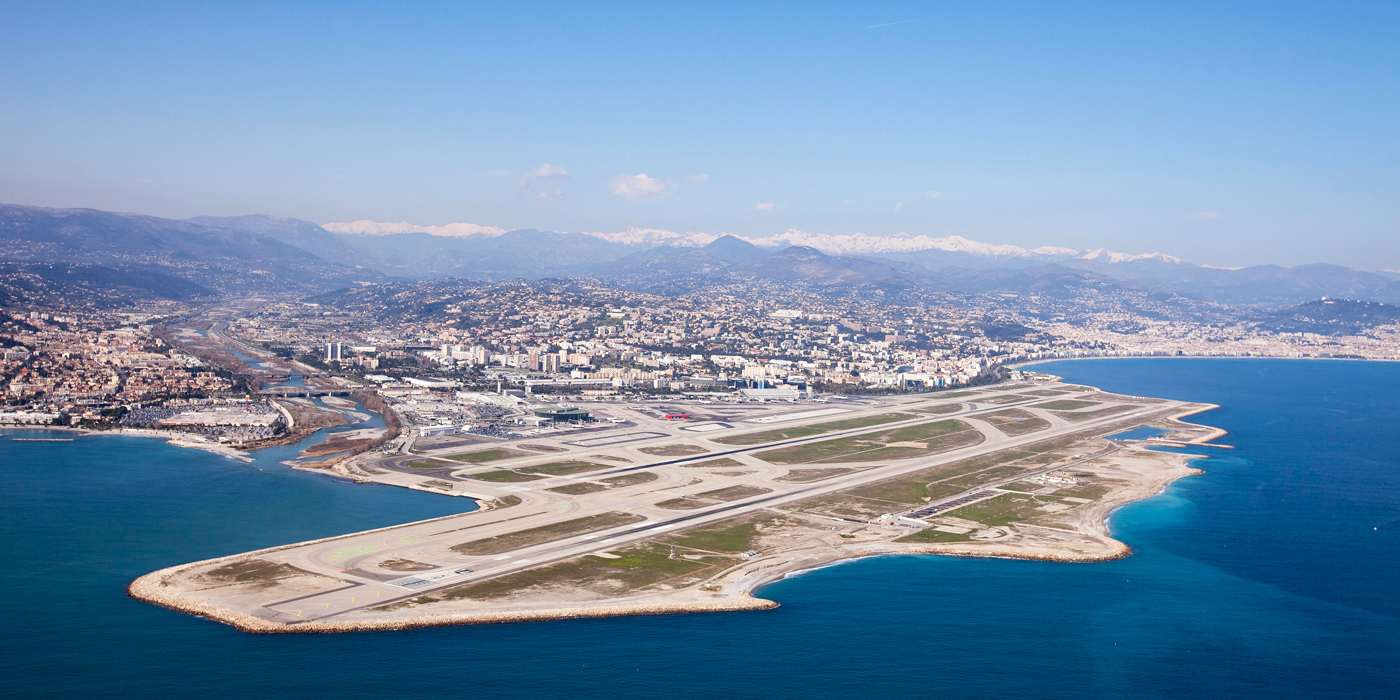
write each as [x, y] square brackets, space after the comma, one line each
[1024, 364]
[173, 438]
[1134, 473]
[745, 594]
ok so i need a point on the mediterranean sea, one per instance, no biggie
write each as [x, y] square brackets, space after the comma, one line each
[1273, 574]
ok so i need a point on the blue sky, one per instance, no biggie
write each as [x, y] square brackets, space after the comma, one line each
[1223, 133]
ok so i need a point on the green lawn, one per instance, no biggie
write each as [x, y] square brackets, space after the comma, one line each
[431, 464]
[809, 430]
[679, 450]
[632, 479]
[578, 489]
[562, 468]
[488, 455]
[1066, 405]
[730, 536]
[935, 437]
[1091, 415]
[932, 535]
[733, 493]
[536, 535]
[1002, 510]
[636, 567]
[504, 475]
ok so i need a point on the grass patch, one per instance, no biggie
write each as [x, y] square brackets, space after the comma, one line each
[536, 535]
[404, 565]
[1092, 492]
[617, 482]
[253, 570]
[1002, 510]
[437, 484]
[636, 567]
[809, 430]
[899, 443]
[734, 536]
[807, 476]
[1091, 415]
[578, 489]
[541, 448]
[503, 476]
[1014, 421]
[488, 455]
[911, 492]
[940, 409]
[932, 535]
[962, 483]
[677, 450]
[562, 468]
[611, 458]
[734, 493]
[1003, 398]
[507, 501]
[1066, 405]
[714, 463]
[1023, 487]
[684, 503]
[431, 464]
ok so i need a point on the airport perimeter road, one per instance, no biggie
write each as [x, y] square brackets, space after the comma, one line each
[355, 558]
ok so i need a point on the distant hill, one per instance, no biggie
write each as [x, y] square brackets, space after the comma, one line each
[732, 249]
[267, 253]
[804, 264]
[305, 235]
[218, 258]
[666, 262]
[1331, 317]
[95, 286]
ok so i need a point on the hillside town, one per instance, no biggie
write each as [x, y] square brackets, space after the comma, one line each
[483, 355]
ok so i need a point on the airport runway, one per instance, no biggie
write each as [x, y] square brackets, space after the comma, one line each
[354, 558]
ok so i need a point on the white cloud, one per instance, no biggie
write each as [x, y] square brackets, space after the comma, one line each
[1206, 215]
[765, 206]
[544, 172]
[699, 179]
[640, 187]
[932, 194]
[550, 193]
[898, 205]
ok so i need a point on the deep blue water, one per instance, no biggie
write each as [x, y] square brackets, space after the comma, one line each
[1275, 574]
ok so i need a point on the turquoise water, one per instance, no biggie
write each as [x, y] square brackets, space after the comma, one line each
[1141, 433]
[1273, 575]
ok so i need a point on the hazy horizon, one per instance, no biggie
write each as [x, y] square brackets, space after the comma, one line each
[1232, 135]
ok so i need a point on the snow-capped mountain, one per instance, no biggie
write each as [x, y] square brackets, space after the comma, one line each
[366, 227]
[1108, 256]
[853, 244]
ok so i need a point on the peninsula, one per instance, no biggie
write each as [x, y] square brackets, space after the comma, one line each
[691, 515]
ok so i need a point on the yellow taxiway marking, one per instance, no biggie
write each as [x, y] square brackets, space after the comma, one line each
[292, 612]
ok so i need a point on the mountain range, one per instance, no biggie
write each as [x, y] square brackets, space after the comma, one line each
[264, 253]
